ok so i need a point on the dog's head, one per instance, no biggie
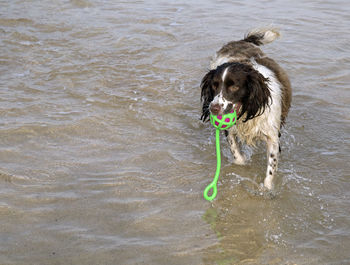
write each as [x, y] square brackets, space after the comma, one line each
[233, 84]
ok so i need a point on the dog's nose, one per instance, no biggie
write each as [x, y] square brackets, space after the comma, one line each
[215, 109]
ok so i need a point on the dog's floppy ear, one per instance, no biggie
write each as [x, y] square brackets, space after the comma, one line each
[207, 94]
[257, 97]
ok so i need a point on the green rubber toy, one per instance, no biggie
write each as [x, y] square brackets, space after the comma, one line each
[220, 122]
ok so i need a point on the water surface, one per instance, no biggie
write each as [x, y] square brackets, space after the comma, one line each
[103, 159]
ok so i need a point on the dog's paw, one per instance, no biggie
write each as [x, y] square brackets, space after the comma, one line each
[268, 182]
[267, 193]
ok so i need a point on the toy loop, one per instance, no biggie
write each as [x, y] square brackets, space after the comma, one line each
[208, 188]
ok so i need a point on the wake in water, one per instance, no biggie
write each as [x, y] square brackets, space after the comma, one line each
[253, 187]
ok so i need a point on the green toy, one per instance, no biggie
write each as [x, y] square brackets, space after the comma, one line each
[220, 122]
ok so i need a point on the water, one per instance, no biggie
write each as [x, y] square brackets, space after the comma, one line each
[103, 159]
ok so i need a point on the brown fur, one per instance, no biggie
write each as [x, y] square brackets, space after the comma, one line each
[241, 74]
[242, 51]
[284, 80]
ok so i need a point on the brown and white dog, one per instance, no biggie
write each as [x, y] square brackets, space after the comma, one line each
[244, 78]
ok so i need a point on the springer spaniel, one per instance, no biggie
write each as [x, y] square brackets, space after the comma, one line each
[244, 78]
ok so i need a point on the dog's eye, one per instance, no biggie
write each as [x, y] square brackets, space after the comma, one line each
[233, 88]
[230, 83]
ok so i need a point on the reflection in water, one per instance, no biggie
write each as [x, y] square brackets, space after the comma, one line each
[233, 241]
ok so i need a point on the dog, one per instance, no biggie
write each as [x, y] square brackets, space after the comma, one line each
[243, 78]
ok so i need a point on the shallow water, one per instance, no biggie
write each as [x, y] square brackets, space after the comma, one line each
[103, 159]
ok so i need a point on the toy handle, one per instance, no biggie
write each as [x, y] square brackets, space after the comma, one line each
[212, 185]
[208, 188]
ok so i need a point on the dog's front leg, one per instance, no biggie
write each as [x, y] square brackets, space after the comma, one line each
[272, 161]
[238, 158]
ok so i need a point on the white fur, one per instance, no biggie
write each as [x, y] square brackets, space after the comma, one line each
[216, 61]
[269, 34]
[266, 125]
[262, 128]
[224, 74]
[219, 99]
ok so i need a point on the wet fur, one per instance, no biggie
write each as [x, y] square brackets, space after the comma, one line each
[263, 90]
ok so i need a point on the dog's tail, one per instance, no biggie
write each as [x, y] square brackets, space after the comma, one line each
[262, 36]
